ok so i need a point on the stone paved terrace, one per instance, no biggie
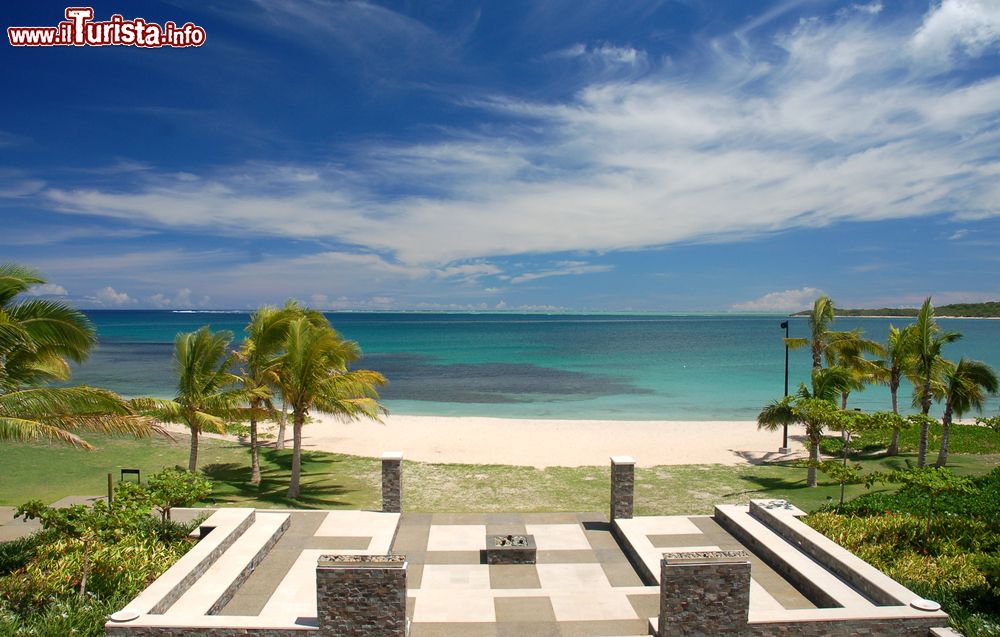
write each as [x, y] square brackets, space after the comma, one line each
[256, 573]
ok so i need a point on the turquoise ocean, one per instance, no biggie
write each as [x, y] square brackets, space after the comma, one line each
[607, 366]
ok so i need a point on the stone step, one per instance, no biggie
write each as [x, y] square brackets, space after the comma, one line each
[216, 587]
[822, 587]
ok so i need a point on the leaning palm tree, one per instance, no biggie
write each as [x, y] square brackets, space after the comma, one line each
[207, 395]
[313, 374]
[38, 338]
[927, 365]
[815, 409]
[964, 388]
[898, 357]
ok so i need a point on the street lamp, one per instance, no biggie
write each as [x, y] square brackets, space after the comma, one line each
[784, 448]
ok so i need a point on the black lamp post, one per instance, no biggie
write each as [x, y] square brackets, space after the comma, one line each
[784, 440]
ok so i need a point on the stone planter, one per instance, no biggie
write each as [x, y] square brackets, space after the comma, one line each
[510, 549]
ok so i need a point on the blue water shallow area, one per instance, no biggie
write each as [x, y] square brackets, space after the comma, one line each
[683, 367]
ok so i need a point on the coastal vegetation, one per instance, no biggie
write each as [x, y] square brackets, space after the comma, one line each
[989, 309]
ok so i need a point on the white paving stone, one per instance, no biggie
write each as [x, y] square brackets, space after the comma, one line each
[572, 577]
[452, 576]
[380, 526]
[457, 537]
[558, 537]
[449, 606]
[585, 606]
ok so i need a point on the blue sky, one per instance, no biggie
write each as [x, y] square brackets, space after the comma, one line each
[546, 155]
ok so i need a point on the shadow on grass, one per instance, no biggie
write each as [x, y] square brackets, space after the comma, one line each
[317, 488]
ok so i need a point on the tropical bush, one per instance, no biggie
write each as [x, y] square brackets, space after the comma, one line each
[956, 564]
[88, 560]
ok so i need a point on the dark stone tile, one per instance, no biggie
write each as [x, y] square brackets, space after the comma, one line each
[679, 539]
[602, 628]
[334, 543]
[411, 538]
[581, 556]
[528, 629]
[611, 556]
[514, 576]
[646, 605]
[453, 557]
[414, 573]
[458, 518]
[524, 609]
[452, 629]
[621, 574]
[505, 518]
[601, 540]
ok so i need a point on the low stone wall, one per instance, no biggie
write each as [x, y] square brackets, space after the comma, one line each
[897, 627]
[622, 487]
[704, 593]
[203, 565]
[874, 584]
[227, 595]
[807, 587]
[162, 631]
[361, 595]
[392, 482]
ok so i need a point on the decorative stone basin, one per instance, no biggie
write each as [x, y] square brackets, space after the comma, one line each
[510, 549]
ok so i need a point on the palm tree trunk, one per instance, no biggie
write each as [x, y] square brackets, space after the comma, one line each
[813, 460]
[254, 453]
[925, 403]
[942, 458]
[298, 421]
[894, 445]
[193, 458]
[282, 419]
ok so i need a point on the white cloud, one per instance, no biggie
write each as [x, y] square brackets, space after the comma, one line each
[784, 301]
[961, 233]
[969, 26]
[109, 296]
[562, 268]
[837, 128]
[47, 289]
[182, 299]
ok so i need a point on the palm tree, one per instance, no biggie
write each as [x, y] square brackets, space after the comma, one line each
[313, 373]
[964, 388]
[928, 340]
[259, 351]
[898, 355]
[847, 350]
[815, 409]
[265, 334]
[820, 320]
[206, 396]
[38, 338]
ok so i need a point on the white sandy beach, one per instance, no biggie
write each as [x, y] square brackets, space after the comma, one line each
[545, 443]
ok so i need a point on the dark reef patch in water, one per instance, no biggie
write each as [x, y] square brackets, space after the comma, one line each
[415, 377]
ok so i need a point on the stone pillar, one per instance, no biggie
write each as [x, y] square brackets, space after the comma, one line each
[704, 593]
[622, 487]
[361, 595]
[392, 482]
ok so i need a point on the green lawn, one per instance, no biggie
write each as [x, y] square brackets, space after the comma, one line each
[332, 480]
